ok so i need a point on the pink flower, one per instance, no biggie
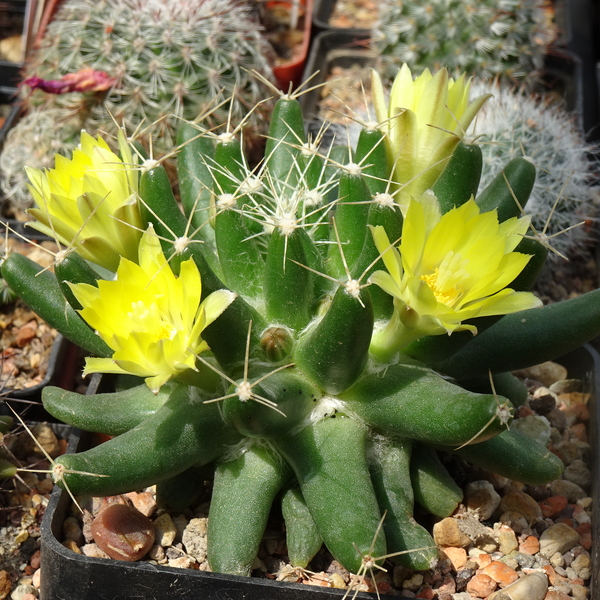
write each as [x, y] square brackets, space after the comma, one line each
[86, 80]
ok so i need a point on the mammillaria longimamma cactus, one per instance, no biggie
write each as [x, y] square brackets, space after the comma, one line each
[486, 38]
[166, 60]
[280, 332]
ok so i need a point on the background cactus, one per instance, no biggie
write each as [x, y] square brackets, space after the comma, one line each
[484, 38]
[564, 196]
[293, 390]
[169, 60]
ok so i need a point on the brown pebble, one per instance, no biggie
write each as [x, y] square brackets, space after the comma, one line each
[5, 585]
[36, 578]
[501, 573]
[24, 335]
[522, 503]
[553, 505]
[123, 532]
[34, 561]
[426, 593]
[145, 502]
[530, 545]
[457, 556]
[554, 595]
[447, 533]
[579, 430]
[71, 545]
[481, 586]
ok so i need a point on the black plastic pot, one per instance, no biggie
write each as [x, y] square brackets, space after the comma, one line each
[12, 22]
[8, 95]
[334, 48]
[33, 393]
[68, 575]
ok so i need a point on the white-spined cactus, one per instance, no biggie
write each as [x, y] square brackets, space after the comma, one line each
[486, 38]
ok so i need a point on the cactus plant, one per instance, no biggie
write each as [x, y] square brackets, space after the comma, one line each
[516, 124]
[483, 38]
[278, 330]
[167, 60]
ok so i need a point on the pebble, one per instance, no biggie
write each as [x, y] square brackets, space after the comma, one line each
[194, 538]
[123, 532]
[572, 491]
[557, 418]
[543, 403]
[558, 538]
[414, 583]
[515, 501]
[165, 530]
[36, 578]
[579, 592]
[5, 585]
[47, 439]
[525, 561]
[578, 473]
[480, 496]
[556, 595]
[22, 590]
[72, 530]
[535, 426]
[457, 556]
[553, 506]
[145, 502]
[481, 586]
[507, 540]
[94, 551]
[501, 573]
[530, 545]
[557, 560]
[516, 521]
[529, 587]
[447, 533]
[582, 565]
[547, 373]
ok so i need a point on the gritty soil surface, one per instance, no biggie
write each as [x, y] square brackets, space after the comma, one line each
[25, 340]
[354, 14]
[23, 501]
[502, 533]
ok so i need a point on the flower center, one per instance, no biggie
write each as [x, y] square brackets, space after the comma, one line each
[147, 318]
[446, 280]
[445, 296]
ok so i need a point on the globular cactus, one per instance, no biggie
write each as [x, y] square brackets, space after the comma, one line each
[166, 60]
[34, 141]
[489, 38]
[564, 197]
[281, 333]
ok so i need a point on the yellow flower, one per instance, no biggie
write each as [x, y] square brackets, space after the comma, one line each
[449, 268]
[423, 123]
[150, 318]
[90, 201]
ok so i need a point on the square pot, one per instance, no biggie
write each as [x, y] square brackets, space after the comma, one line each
[70, 575]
